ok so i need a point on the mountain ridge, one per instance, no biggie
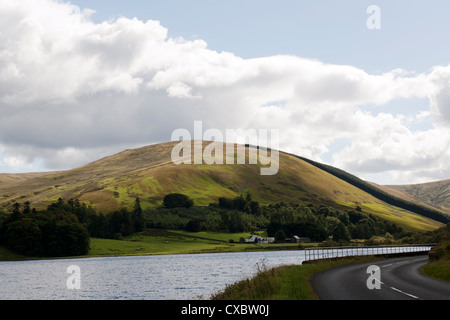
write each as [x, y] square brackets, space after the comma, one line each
[434, 193]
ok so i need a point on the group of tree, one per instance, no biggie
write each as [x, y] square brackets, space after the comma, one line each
[243, 214]
[116, 224]
[227, 215]
[64, 228]
[177, 200]
[48, 233]
[323, 222]
[240, 203]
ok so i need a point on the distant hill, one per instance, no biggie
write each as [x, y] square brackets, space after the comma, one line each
[148, 173]
[386, 194]
[436, 194]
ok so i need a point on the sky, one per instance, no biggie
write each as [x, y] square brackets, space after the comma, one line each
[81, 80]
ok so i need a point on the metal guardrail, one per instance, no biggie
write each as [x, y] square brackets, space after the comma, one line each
[318, 253]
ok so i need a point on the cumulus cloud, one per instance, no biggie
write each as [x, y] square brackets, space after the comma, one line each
[439, 95]
[72, 90]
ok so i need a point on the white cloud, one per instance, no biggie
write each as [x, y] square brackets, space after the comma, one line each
[72, 90]
[439, 95]
[387, 145]
[16, 162]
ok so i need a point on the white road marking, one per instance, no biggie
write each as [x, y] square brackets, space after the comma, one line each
[395, 289]
[407, 294]
[392, 264]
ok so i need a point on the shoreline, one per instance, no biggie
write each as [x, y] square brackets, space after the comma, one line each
[174, 242]
[212, 251]
[256, 248]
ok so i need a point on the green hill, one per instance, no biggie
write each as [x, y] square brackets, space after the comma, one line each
[149, 173]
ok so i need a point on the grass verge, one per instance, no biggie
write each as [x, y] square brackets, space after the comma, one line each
[439, 267]
[438, 270]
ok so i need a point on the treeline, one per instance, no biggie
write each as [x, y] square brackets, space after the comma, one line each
[227, 215]
[114, 225]
[325, 223]
[64, 228]
[242, 214]
[380, 194]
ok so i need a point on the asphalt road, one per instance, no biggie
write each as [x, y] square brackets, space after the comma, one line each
[396, 278]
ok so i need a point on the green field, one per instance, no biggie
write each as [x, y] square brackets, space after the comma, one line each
[178, 242]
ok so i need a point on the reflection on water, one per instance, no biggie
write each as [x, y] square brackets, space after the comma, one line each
[171, 277]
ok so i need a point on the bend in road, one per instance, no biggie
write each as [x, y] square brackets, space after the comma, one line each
[392, 279]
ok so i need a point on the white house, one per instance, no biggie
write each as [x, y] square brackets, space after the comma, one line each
[258, 239]
[253, 238]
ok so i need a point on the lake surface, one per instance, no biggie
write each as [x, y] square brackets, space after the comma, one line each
[166, 277]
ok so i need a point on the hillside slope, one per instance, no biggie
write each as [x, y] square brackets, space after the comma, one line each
[436, 194]
[149, 173]
[385, 194]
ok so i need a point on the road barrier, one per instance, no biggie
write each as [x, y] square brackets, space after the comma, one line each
[320, 253]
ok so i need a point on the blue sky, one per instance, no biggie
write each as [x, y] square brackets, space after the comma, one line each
[83, 84]
[414, 34]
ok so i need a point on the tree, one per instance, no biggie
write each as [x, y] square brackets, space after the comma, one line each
[49, 234]
[26, 208]
[341, 233]
[67, 239]
[177, 200]
[364, 229]
[15, 211]
[239, 203]
[138, 218]
[252, 207]
[331, 224]
[24, 236]
[343, 217]
[280, 236]
[248, 197]
[355, 217]
[225, 203]
[193, 225]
